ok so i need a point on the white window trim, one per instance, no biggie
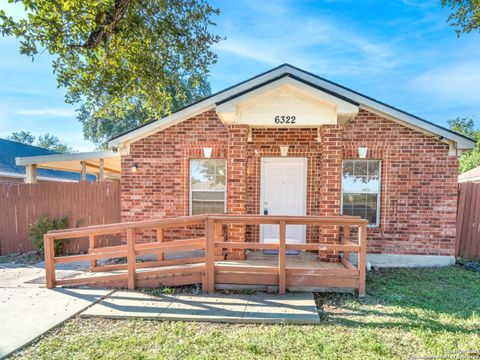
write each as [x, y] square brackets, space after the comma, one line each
[379, 193]
[190, 190]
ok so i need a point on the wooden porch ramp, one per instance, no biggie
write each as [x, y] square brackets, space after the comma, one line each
[293, 272]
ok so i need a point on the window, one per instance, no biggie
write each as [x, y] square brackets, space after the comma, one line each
[207, 186]
[361, 189]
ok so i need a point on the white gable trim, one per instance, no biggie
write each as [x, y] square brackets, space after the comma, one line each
[125, 140]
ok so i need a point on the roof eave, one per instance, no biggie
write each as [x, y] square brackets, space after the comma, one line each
[461, 142]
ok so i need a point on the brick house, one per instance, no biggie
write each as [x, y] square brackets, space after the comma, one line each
[288, 142]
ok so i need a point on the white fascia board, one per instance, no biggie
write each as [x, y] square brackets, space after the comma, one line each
[341, 105]
[462, 143]
[193, 110]
[31, 160]
[209, 103]
[159, 125]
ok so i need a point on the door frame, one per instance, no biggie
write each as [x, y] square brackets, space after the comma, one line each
[263, 162]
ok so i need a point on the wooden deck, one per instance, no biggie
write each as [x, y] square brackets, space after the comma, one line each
[209, 267]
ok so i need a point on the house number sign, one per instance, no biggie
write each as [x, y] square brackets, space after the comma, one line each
[285, 119]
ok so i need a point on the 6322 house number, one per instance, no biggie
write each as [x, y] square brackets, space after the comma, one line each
[285, 119]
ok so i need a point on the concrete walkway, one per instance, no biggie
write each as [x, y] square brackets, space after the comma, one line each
[29, 310]
[298, 308]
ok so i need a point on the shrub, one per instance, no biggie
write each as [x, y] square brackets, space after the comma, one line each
[42, 226]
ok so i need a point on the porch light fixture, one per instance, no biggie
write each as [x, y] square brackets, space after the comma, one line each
[284, 150]
[362, 152]
[207, 152]
[134, 168]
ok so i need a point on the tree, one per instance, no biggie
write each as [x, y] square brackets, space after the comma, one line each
[465, 15]
[53, 143]
[100, 128]
[466, 126]
[120, 58]
[47, 141]
[23, 137]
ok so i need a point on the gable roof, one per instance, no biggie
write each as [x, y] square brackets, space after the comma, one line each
[286, 70]
[9, 150]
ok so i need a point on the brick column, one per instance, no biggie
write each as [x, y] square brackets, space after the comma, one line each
[330, 182]
[237, 183]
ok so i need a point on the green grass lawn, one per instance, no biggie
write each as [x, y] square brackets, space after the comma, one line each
[406, 314]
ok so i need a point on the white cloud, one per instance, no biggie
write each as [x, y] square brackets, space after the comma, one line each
[458, 83]
[326, 45]
[55, 112]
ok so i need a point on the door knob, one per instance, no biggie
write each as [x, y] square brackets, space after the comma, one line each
[265, 211]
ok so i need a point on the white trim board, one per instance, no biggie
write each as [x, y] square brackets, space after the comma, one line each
[123, 141]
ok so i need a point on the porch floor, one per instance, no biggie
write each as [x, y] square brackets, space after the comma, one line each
[302, 260]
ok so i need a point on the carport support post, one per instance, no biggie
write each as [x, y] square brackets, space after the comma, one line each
[31, 174]
[49, 260]
[83, 174]
[101, 174]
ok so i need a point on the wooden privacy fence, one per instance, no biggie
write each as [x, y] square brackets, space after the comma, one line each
[84, 203]
[209, 269]
[468, 221]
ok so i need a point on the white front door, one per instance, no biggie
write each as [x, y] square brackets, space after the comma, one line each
[283, 191]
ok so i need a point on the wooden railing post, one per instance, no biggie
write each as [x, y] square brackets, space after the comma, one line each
[91, 246]
[219, 237]
[282, 278]
[160, 238]
[346, 236]
[362, 258]
[49, 260]
[131, 259]
[209, 255]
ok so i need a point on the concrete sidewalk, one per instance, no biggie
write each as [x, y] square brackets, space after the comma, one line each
[29, 310]
[298, 308]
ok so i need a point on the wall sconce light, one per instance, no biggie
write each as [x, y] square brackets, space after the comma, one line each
[284, 150]
[207, 152]
[134, 168]
[362, 152]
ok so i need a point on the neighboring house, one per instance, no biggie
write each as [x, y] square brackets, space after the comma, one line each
[289, 142]
[10, 173]
[472, 175]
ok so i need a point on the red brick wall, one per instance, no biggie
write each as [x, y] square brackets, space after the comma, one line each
[418, 199]
[418, 188]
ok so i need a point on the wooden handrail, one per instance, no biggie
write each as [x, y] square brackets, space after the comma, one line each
[214, 244]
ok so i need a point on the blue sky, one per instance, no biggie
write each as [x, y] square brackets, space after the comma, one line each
[401, 52]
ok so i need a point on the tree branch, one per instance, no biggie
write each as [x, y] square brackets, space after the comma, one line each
[105, 28]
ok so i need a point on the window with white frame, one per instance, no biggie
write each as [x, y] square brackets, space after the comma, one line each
[207, 186]
[361, 189]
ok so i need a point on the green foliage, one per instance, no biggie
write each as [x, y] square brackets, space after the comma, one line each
[465, 15]
[24, 137]
[43, 225]
[52, 142]
[466, 126]
[47, 141]
[120, 58]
